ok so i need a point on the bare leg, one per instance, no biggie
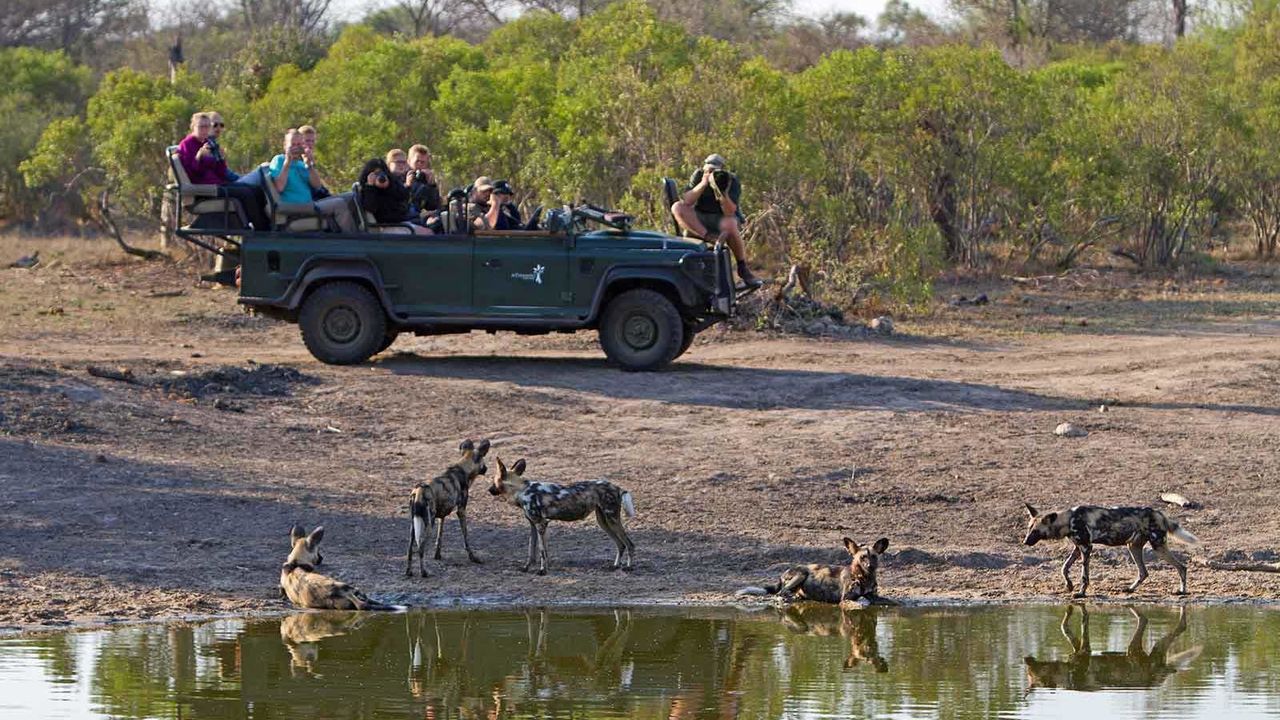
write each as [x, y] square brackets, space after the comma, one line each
[1135, 552]
[688, 219]
[1163, 553]
[733, 237]
[462, 523]
[1066, 566]
[1085, 552]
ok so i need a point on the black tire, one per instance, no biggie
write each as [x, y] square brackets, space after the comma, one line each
[641, 330]
[685, 344]
[387, 341]
[342, 323]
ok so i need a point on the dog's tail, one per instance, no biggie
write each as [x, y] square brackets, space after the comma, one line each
[363, 603]
[628, 506]
[758, 591]
[1177, 532]
[420, 514]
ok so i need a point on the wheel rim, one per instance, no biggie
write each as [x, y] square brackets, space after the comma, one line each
[341, 325]
[639, 331]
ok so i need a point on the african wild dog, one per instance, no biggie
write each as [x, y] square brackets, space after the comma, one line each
[1087, 525]
[432, 501]
[543, 502]
[831, 583]
[1136, 667]
[858, 625]
[307, 588]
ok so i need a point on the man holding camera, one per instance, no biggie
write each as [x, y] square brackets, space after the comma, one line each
[292, 179]
[708, 210]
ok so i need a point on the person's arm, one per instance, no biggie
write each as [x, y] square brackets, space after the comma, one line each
[696, 189]
[491, 217]
[281, 175]
[187, 151]
[729, 200]
[313, 174]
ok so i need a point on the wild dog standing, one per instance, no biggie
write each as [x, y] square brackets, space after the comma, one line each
[830, 583]
[432, 501]
[543, 502]
[1087, 525]
[307, 588]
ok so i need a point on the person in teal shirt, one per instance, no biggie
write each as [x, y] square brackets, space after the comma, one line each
[293, 181]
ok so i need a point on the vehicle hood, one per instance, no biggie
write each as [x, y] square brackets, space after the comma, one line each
[640, 240]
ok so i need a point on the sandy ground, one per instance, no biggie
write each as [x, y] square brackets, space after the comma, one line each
[172, 494]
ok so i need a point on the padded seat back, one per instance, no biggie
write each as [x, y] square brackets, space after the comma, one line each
[200, 200]
[290, 217]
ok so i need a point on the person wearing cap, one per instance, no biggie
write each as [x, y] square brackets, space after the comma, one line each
[478, 203]
[502, 213]
[709, 212]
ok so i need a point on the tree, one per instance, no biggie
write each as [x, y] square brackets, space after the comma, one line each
[77, 27]
[308, 16]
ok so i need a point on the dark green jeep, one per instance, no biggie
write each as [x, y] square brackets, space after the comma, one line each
[646, 292]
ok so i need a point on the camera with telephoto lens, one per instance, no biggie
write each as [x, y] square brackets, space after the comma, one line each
[380, 176]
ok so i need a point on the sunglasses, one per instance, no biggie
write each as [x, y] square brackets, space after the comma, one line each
[219, 125]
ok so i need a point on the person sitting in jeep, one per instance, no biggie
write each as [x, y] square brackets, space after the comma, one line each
[708, 210]
[387, 199]
[502, 213]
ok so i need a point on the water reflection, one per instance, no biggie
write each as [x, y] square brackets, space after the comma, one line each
[800, 662]
[1134, 667]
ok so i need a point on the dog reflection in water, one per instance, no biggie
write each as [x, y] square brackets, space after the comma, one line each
[302, 633]
[859, 626]
[1136, 667]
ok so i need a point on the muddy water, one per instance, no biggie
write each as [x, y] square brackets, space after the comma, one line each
[1149, 662]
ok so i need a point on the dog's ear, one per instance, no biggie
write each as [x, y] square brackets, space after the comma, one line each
[315, 537]
[482, 448]
[1050, 517]
[1031, 512]
[851, 546]
[466, 446]
[296, 533]
[518, 468]
[881, 545]
[502, 470]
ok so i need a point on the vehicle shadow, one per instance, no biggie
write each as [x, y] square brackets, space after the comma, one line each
[739, 388]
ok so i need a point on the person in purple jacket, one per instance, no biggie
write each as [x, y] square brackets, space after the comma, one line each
[202, 159]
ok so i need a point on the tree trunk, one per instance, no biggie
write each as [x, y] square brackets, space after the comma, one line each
[1179, 18]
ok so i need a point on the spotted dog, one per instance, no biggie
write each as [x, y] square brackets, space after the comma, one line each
[543, 502]
[831, 583]
[307, 588]
[432, 501]
[1087, 525]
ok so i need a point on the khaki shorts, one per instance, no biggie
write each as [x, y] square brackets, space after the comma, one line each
[711, 221]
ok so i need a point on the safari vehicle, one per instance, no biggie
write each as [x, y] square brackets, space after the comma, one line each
[582, 268]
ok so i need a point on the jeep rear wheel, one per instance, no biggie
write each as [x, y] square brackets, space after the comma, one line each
[342, 323]
[641, 330]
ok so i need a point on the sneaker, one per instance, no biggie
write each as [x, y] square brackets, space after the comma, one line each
[748, 278]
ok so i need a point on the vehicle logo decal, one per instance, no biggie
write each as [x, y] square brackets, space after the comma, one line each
[535, 276]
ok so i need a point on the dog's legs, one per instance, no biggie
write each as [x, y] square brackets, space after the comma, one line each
[533, 545]
[626, 539]
[1085, 552]
[1135, 552]
[1161, 649]
[1066, 566]
[439, 536]
[462, 523]
[1163, 553]
[607, 526]
[542, 542]
[1136, 649]
[424, 535]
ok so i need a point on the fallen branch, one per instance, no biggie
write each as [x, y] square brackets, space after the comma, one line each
[1242, 567]
[109, 225]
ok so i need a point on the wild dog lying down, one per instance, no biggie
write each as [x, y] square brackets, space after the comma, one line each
[1087, 525]
[432, 501]
[543, 502]
[830, 583]
[307, 588]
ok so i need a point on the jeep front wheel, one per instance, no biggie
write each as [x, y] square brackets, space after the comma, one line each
[342, 323]
[641, 330]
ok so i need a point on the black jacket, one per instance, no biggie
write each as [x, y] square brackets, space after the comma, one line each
[388, 205]
[425, 196]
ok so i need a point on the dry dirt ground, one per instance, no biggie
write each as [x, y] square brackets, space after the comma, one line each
[171, 494]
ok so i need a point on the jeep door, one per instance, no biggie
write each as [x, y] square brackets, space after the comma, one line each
[519, 273]
[428, 275]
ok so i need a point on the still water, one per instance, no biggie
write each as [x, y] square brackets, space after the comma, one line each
[810, 662]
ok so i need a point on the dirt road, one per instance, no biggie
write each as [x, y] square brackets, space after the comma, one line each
[172, 492]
